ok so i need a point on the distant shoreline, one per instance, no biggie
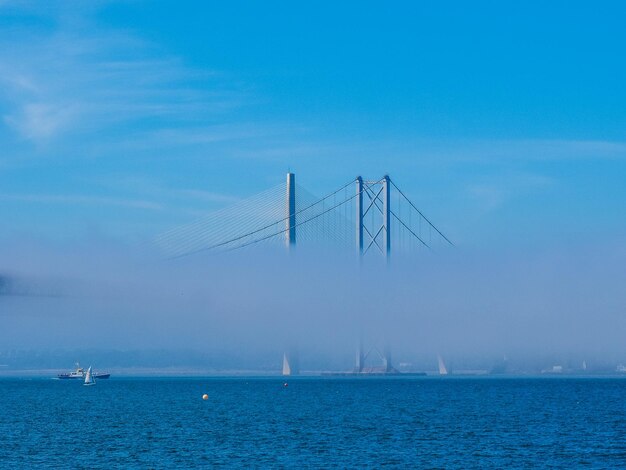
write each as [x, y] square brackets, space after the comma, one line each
[142, 372]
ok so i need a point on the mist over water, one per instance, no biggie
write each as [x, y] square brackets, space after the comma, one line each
[245, 308]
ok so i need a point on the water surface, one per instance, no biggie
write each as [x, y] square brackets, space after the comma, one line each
[318, 422]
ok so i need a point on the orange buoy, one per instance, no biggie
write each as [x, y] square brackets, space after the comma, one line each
[205, 397]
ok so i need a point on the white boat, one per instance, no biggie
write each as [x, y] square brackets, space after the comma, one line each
[89, 379]
[79, 373]
[443, 370]
[286, 365]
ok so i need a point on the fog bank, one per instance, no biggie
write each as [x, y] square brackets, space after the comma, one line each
[559, 302]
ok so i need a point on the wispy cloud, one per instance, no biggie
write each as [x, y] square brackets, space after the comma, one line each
[80, 78]
[82, 199]
[493, 193]
[37, 121]
[189, 201]
[208, 196]
[490, 197]
[490, 150]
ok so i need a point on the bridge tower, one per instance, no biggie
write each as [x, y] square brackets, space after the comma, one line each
[377, 200]
[290, 216]
[290, 357]
[378, 234]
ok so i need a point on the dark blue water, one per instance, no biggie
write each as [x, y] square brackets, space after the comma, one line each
[420, 422]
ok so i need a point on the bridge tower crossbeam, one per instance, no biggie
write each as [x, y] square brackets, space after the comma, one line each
[377, 200]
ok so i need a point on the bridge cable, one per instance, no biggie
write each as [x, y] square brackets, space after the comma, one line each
[198, 226]
[217, 245]
[296, 225]
[406, 227]
[420, 213]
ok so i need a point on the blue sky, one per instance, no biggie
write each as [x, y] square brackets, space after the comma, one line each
[505, 123]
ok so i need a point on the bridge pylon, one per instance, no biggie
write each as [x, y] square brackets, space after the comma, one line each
[376, 230]
[384, 356]
[290, 358]
[290, 216]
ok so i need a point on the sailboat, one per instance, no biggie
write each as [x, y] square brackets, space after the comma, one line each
[443, 370]
[89, 379]
[286, 365]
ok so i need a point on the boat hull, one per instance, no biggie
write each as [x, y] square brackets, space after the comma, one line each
[82, 377]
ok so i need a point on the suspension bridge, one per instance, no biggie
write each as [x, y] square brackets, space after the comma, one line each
[362, 215]
[366, 216]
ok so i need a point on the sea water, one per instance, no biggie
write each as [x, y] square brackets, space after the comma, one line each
[314, 422]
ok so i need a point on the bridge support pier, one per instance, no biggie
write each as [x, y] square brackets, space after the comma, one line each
[358, 367]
